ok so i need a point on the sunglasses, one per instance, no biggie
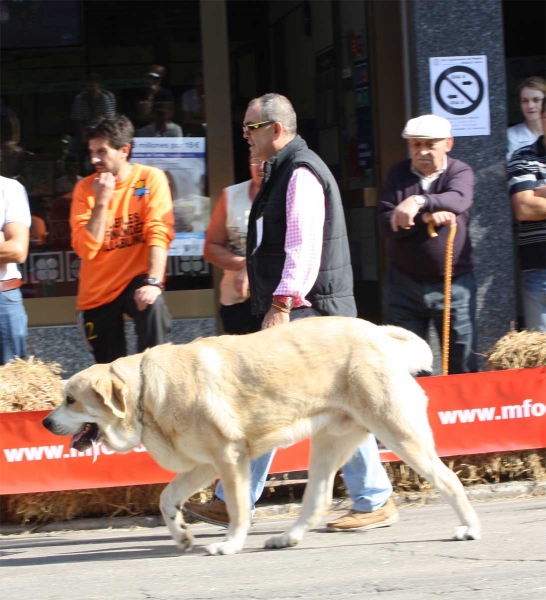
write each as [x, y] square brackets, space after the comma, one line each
[250, 128]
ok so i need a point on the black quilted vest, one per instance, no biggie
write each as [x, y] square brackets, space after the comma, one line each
[332, 293]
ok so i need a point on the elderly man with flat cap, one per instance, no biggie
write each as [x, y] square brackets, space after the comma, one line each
[430, 186]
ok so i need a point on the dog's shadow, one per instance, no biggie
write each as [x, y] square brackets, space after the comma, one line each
[142, 550]
[136, 547]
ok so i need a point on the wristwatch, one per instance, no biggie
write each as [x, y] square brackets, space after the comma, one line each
[155, 282]
[283, 303]
[420, 201]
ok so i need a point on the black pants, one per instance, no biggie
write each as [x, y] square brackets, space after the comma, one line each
[413, 305]
[103, 329]
[238, 319]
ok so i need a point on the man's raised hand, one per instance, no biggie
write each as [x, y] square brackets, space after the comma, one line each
[402, 215]
[104, 186]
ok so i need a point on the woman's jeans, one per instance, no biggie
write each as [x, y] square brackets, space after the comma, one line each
[13, 326]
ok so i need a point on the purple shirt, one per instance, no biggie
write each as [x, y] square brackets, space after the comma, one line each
[412, 251]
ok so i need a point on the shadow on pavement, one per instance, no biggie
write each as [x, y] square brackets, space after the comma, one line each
[138, 552]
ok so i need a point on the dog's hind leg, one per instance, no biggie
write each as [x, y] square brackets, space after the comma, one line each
[328, 453]
[234, 470]
[426, 462]
[175, 495]
[407, 433]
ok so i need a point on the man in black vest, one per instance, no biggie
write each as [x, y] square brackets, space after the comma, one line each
[299, 266]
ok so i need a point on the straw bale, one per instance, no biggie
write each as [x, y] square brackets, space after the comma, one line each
[30, 385]
[45, 507]
[518, 350]
[478, 468]
[49, 507]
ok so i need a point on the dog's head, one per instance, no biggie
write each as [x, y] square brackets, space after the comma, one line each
[101, 405]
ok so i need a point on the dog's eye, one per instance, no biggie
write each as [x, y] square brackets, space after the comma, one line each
[70, 400]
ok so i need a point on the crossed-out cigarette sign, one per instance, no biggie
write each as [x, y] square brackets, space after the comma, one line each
[459, 90]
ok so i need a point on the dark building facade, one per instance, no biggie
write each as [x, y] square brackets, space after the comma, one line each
[355, 72]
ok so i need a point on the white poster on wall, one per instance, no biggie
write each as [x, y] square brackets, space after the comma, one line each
[183, 160]
[459, 91]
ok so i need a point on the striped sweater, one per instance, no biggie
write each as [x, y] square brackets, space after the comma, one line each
[527, 171]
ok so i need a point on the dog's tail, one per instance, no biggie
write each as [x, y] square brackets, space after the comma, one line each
[412, 350]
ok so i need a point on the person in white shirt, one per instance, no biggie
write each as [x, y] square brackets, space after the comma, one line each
[14, 238]
[225, 247]
[530, 95]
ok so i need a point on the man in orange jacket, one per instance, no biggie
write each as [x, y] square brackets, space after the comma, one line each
[122, 225]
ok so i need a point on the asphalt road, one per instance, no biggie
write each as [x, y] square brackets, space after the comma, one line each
[413, 560]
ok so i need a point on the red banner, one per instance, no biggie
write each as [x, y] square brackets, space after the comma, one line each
[469, 414]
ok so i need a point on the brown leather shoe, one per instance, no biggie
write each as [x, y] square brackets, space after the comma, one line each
[353, 520]
[214, 511]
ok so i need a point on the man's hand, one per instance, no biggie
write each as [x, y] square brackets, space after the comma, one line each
[442, 217]
[540, 191]
[104, 186]
[146, 295]
[241, 283]
[275, 317]
[402, 215]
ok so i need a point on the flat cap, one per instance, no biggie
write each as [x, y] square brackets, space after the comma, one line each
[429, 127]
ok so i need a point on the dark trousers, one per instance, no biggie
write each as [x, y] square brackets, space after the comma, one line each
[238, 319]
[103, 327]
[413, 305]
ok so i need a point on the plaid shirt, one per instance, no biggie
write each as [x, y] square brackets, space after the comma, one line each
[305, 213]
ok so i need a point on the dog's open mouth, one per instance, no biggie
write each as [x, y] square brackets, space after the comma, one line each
[86, 437]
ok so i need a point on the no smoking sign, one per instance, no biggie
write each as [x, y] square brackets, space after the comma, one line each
[459, 92]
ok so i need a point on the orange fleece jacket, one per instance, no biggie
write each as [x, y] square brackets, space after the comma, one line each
[140, 215]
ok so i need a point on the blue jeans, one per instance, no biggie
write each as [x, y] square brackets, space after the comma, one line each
[13, 326]
[365, 478]
[413, 304]
[533, 290]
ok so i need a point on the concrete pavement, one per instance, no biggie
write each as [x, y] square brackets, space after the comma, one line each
[413, 560]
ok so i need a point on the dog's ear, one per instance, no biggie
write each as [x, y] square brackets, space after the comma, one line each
[113, 393]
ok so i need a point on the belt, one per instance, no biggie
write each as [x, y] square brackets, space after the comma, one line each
[10, 284]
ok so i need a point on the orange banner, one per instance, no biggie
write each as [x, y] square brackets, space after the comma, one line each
[469, 414]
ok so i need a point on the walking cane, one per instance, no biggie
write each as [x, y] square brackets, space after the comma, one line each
[447, 290]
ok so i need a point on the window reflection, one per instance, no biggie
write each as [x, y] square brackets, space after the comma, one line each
[98, 59]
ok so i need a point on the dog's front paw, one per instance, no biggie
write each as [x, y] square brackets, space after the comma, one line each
[184, 540]
[223, 548]
[467, 533]
[284, 540]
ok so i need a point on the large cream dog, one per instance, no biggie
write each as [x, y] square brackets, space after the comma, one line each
[206, 408]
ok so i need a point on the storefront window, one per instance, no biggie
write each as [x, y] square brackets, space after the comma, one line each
[65, 62]
[357, 131]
